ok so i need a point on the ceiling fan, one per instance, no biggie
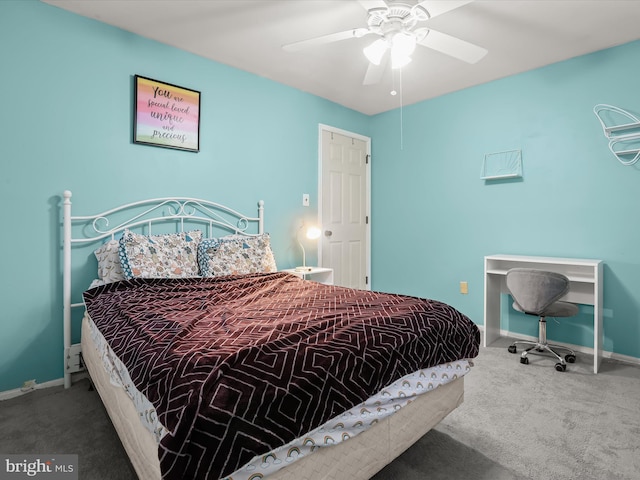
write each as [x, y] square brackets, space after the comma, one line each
[400, 28]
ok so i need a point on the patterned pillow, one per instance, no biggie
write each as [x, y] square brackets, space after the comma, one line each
[236, 254]
[109, 267]
[159, 256]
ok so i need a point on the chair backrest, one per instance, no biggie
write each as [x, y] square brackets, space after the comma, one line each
[534, 290]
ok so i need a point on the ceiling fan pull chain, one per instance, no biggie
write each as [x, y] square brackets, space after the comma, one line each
[401, 113]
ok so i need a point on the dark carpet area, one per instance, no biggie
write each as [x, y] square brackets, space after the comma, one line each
[517, 421]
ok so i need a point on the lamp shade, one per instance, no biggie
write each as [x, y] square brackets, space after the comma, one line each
[313, 233]
[376, 51]
[402, 46]
[399, 61]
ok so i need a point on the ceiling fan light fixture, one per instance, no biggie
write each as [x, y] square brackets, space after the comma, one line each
[396, 28]
[403, 44]
[399, 61]
[376, 51]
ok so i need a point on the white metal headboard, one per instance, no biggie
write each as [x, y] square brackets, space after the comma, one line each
[142, 215]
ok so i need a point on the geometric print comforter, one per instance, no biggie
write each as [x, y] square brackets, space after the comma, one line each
[237, 366]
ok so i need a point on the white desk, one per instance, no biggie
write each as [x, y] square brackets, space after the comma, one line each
[319, 274]
[585, 276]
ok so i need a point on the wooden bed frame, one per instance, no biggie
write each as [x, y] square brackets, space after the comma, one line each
[359, 458]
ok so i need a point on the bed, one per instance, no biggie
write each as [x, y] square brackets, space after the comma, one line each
[228, 368]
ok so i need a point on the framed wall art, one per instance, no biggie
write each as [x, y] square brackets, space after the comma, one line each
[166, 115]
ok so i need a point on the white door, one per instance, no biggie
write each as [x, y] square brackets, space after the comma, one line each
[344, 201]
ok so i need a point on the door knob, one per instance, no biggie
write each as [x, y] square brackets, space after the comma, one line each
[328, 233]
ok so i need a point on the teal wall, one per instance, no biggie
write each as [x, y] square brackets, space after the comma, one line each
[67, 107]
[574, 199]
[66, 122]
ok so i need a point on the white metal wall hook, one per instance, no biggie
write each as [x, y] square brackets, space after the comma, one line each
[622, 129]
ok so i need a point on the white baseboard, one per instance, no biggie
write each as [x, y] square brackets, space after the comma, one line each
[16, 392]
[577, 348]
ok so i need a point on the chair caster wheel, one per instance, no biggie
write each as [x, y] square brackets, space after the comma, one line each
[561, 367]
[524, 360]
[512, 349]
[570, 358]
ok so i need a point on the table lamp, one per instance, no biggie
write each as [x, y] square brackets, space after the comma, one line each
[312, 233]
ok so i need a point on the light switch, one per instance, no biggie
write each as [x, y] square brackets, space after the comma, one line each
[464, 288]
[305, 199]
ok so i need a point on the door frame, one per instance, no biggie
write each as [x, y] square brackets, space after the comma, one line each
[327, 128]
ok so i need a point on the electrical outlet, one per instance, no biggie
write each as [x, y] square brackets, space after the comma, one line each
[305, 199]
[464, 288]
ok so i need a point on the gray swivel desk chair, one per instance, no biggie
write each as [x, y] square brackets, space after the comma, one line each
[536, 292]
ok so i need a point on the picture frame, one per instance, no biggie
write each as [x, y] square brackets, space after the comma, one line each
[166, 115]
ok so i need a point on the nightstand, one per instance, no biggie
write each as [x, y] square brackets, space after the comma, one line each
[318, 274]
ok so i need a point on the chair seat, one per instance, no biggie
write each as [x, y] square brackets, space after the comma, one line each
[557, 309]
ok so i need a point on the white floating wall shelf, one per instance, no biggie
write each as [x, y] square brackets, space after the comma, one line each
[622, 129]
[507, 164]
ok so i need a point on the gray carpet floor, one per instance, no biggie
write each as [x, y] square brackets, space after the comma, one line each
[517, 422]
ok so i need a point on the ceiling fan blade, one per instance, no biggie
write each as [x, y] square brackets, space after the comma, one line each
[454, 47]
[324, 39]
[375, 72]
[438, 7]
[369, 4]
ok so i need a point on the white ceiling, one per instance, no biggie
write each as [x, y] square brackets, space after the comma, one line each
[249, 34]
